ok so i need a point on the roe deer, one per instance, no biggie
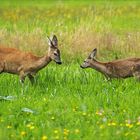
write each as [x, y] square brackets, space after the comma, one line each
[122, 68]
[25, 64]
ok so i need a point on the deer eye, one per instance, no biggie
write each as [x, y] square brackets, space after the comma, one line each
[55, 54]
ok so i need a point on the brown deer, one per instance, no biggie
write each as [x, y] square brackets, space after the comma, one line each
[122, 68]
[25, 64]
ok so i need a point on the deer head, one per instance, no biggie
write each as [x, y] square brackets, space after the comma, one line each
[54, 52]
[91, 58]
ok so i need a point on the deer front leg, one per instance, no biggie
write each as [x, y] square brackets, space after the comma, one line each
[22, 76]
[31, 78]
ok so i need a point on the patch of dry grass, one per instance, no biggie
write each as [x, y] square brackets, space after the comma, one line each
[113, 29]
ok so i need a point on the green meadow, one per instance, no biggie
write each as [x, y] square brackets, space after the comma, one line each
[67, 102]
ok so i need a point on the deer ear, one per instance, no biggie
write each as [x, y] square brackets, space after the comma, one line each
[49, 42]
[93, 54]
[55, 41]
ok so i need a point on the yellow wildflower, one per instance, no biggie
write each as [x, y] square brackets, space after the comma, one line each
[102, 126]
[56, 131]
[112, 124]
[45, 99]
[11, 135]
[66, 132]
[9, 126]
[129, 125]
[52, 118]
[99, 113]
[75, 109]
[28, 125]
[32, 127]
[56, 137]
[44, 137]
[1, 120]
[124, 110]
[84, 113]
[77, 131]
[138, 123]
[23, 133]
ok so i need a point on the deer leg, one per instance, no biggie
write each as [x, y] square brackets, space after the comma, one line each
[31, 78]
[1, 68]
[22, 77]
[107, 78]
[137, 75]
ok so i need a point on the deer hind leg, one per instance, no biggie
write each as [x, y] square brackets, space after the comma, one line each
[137, 75]
[1, 68]
[31, 78]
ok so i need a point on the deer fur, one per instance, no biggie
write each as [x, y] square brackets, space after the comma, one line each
[24, 64]
[122, 68]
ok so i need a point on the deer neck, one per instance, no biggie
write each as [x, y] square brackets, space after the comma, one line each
[42, 62]
[101, 67]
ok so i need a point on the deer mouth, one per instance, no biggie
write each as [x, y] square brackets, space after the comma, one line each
[82, 67]
[59, 63]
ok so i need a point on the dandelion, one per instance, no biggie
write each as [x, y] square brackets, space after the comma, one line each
[138, 123]
[75, 109]
[112, 124]
[11, 135]
[56, 131]
[32, 127]
[52, 118]
[77, 131]
[124, 110]
[84, 113]
[99, 113]
[102, 126]
[23, 133]
[66, 132]
[44, 137]
[129, 125]
[9, 126]
[56, 137]
[1, 120]
[28, 125]
[45, 99]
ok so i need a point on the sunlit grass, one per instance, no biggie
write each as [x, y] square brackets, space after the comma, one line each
[73, 103]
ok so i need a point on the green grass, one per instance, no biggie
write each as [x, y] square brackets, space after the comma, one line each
[69, 102]
[68, 97]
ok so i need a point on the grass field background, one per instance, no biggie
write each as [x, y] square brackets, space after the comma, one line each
[67, 102]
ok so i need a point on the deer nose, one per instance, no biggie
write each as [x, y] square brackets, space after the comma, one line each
[81, 66]
[59, 63]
